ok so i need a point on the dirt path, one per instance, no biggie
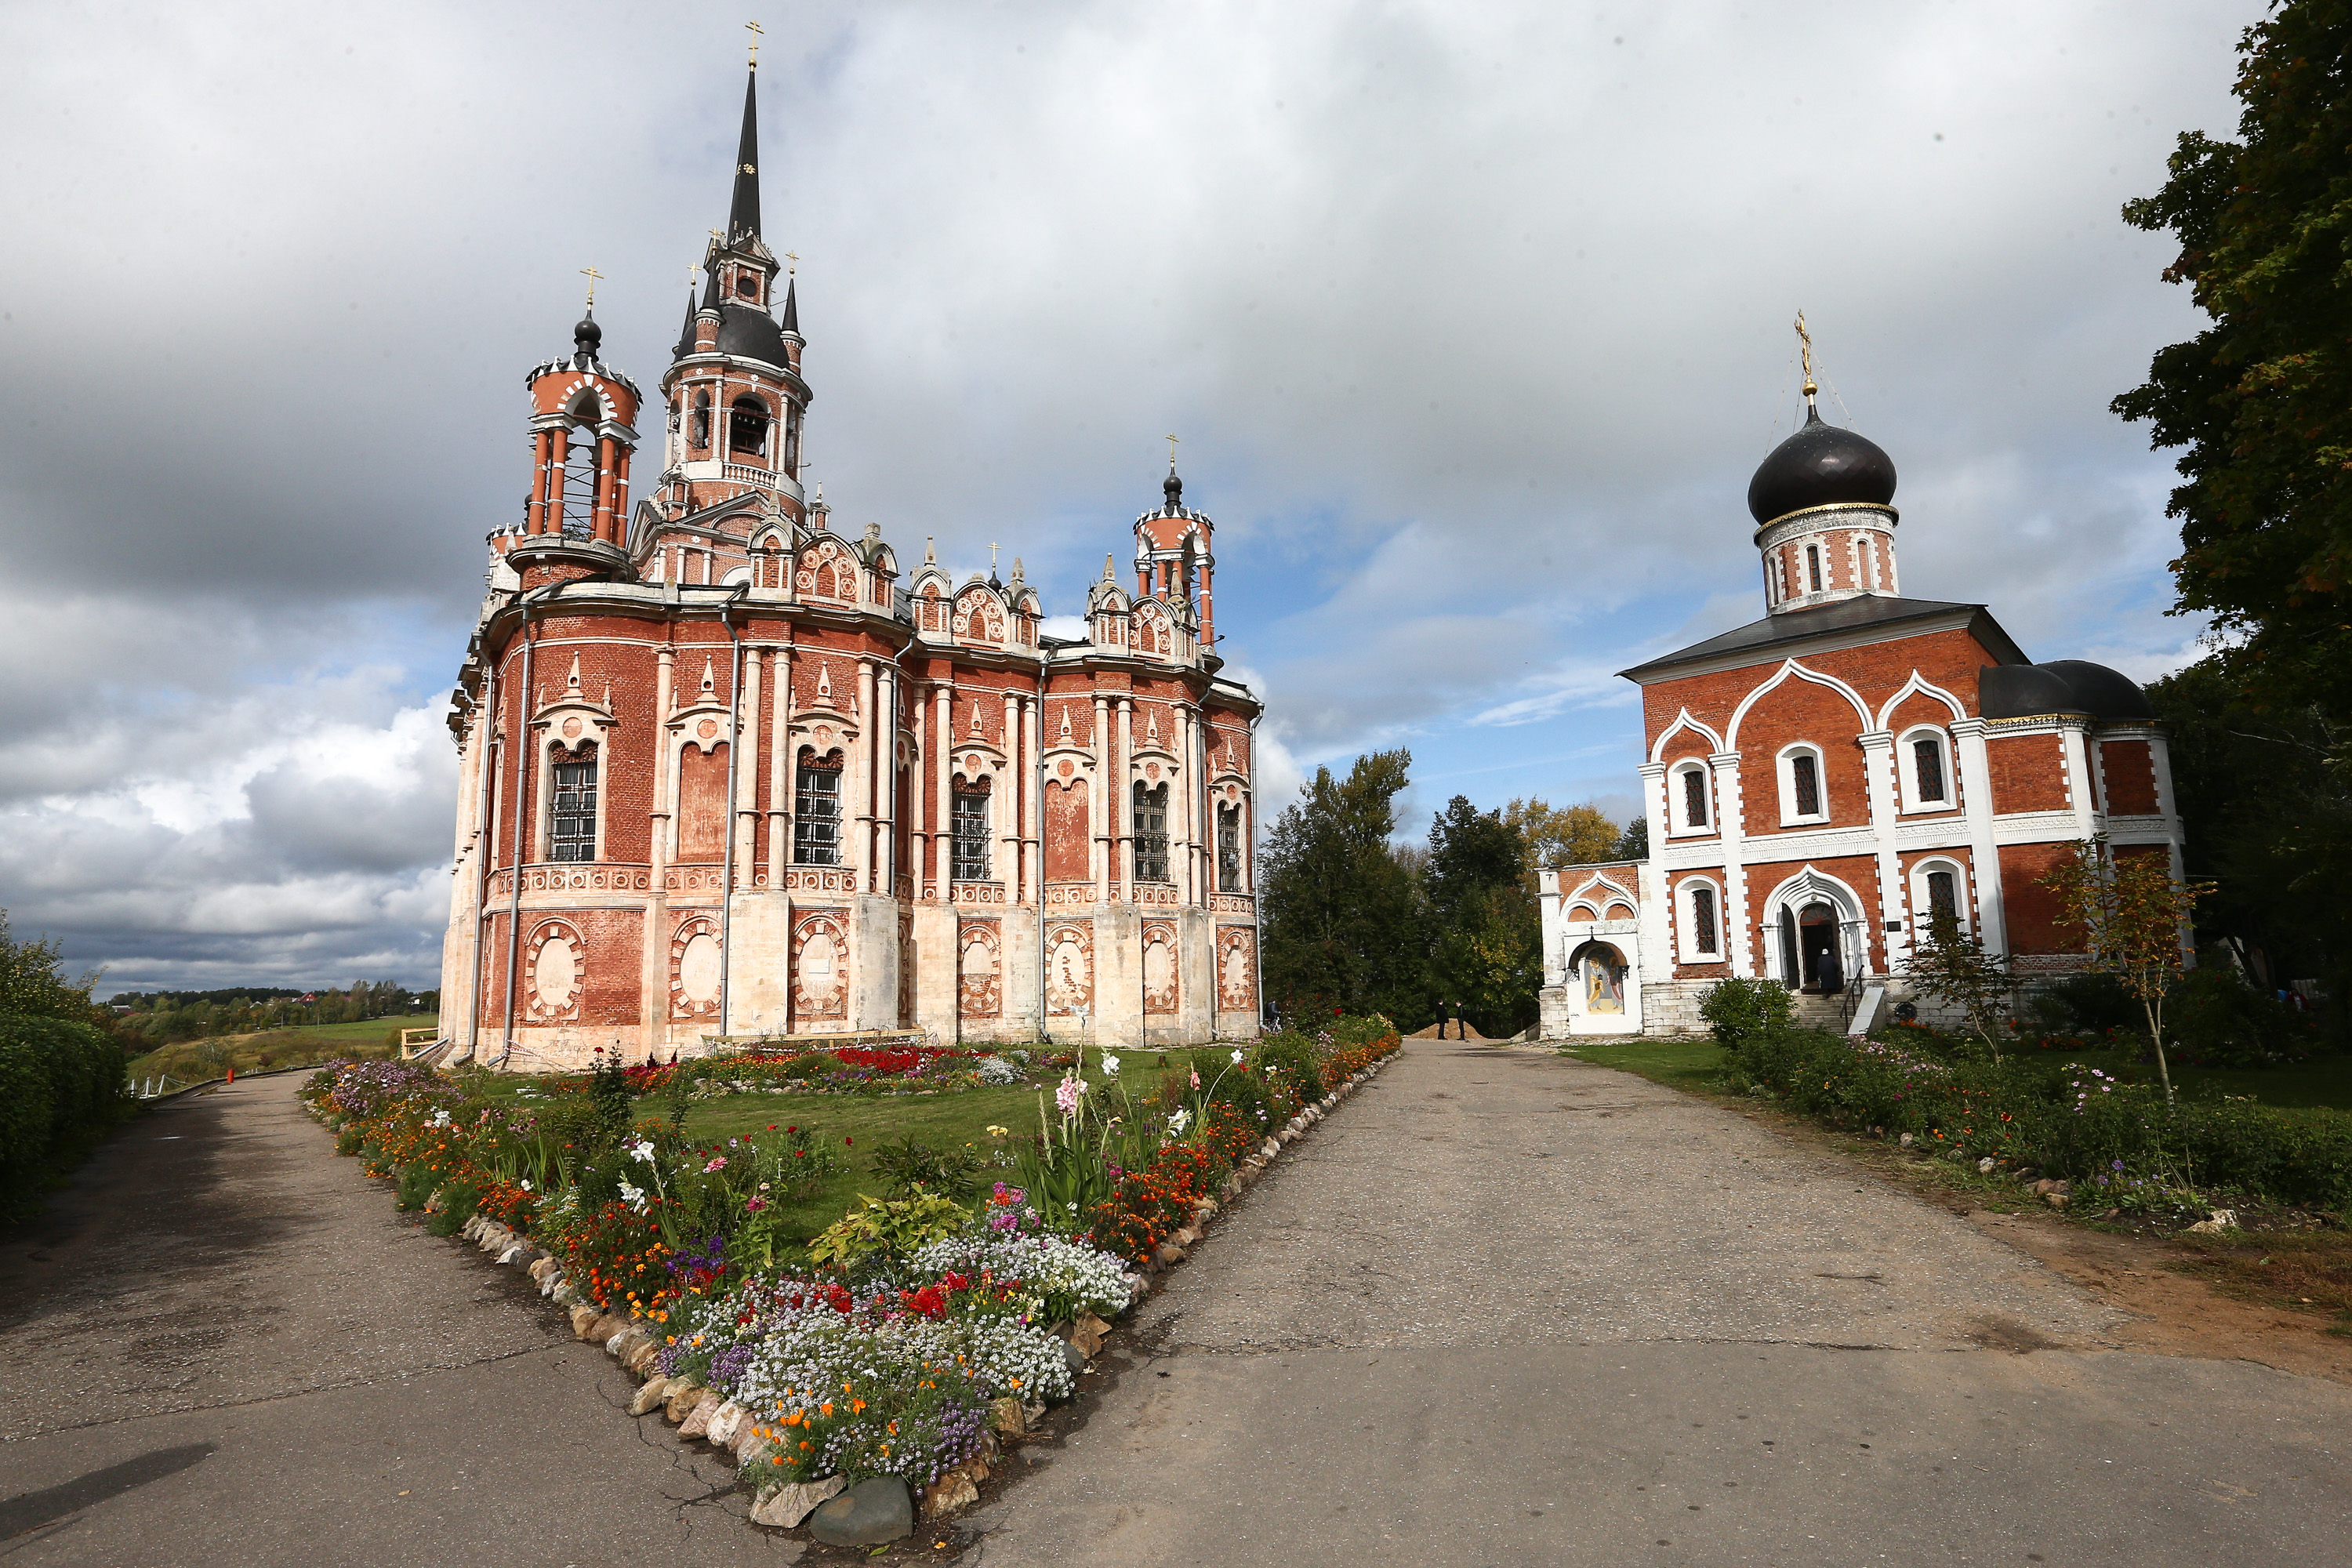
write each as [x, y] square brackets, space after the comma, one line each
[224, 1346]
[1505, 1307]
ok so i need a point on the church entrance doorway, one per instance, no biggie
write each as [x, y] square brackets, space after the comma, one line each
[1817, 948]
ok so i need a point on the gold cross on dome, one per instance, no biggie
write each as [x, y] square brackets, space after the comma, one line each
[793, 257]
[1171, 454]
[755, 30]
[1805, 352]
[591, 274]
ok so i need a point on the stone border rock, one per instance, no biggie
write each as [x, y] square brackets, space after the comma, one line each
[849, 1516]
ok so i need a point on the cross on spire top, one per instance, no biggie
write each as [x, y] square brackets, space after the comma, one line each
[591, 274]
[755, 30]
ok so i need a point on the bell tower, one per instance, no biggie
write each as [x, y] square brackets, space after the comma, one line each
[735, 396]
[582, 433]
[1173, 560]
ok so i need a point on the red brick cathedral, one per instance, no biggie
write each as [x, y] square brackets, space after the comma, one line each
[724, 775]
[1819, 782]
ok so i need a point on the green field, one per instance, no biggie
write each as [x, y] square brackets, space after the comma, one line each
[192, 1061]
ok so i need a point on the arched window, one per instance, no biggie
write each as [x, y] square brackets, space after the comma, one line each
[792, 459]
[1814, 566]
[1702, 922]
[572, 809]
[1938, 886]
[968, 812]
[1151, 834]
[747, 286]
[747, 429]
[1687, 806]
[1803, 797]
[817, 813]
[699, 428]
[1925, 766]
[1229, 848]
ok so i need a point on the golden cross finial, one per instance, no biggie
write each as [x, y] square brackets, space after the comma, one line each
[1171, 454]
[754, 29]
[591, 274]
[794, 257]
[1805, 352]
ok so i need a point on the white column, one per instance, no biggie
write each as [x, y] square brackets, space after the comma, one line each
[886, 832]
[943, 820]
[664, 673]
[869, 737]
[1123, 842]
[779, 771]
[744, 755]
[1878, 778]
[1730, 831]
[1099, 826]
[1032, 736]
[1974, 767]
[1006, 808]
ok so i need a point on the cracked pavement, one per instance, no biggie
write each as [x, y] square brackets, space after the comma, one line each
[222, 1345]
[1503, 1307]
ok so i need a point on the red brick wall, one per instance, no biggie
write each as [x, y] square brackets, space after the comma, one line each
[702, 803]
[2036, 923]
[1067, 843]
[616, 941]
[2131, 778]
[1801, 710]
[2029, 774]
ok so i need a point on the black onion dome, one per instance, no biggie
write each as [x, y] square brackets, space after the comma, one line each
[750, 332]
[587, 336]
[1821, 465]
[2061, 686]
[1173, 489]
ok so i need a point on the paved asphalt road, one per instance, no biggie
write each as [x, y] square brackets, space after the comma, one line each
[224, 1348]
[1501, 1308]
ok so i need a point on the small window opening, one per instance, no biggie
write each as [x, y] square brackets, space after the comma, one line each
[1151, 834]
[698, 432]
[1229, 848]
[1929, 757]
[1943, 896]
[572, 830]
[816, 818]
[1694, 797]
[747, 429]
[1804, 773]
[1814, 566]
[969, 859]
[1703, 919]
[747, 286]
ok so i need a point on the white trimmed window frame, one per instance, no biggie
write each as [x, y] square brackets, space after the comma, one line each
[1686, 949]
[1906, 770]
[1784, 768]
[1678, 799]
[1963, 902]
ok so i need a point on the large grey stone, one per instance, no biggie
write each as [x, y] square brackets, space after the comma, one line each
[869, 1514]
[786, 1505]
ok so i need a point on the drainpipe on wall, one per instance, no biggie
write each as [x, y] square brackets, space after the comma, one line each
[1037, 787]
[485, 848]
[516, 826]
[734, 771]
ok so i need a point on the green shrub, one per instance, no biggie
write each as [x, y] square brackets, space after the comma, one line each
[1291, 1062]
[347, 1141]
[2087, 1004]
[911, 1167]
[415, 1186]
[1740, 1011]
[809, 1065]
[61, 1090]
[894, 1229]
[2213, 1018]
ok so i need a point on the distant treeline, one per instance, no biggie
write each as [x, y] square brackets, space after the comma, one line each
[167, 1018]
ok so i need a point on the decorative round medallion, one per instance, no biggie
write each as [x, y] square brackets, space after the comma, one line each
[707, 728]
[1151, 770]
[971, 763]
[1233, 792]
[1068, 768]
[824, 736]
[572, 729]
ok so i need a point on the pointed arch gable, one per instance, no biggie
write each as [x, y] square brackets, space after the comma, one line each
[1790, 669]
[1683, 720]
[1919, 686]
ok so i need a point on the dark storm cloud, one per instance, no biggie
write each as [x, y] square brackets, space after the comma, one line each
[1473, 318]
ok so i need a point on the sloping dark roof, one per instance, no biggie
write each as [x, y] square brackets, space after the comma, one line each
[1868, 612]
[750, 332]
[2061, 686]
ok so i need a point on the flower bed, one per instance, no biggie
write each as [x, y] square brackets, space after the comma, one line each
[901, 1340]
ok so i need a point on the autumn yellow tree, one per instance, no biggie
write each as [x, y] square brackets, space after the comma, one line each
[1560, 835]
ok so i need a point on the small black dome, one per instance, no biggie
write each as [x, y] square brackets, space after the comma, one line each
[2104, 693]
[750, 332]
[1821, 465]
[587, 336]
[1174, 489]
[2060, 686]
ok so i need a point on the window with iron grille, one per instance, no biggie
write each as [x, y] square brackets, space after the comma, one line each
[572, 821]
[1804, 773]
[1942, 894]
[1703, 919]
[1151, 834]
[1229, 848]
[1930, 756]
[816, 818]
[1694, 798]
[970, 862]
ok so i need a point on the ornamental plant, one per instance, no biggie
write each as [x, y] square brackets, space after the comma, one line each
[2133, 914]
[1951, 967]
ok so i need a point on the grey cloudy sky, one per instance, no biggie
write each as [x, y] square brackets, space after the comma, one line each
[1473, 318]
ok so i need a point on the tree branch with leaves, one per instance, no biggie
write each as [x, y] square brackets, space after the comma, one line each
[1950, 967]
[2133, 915]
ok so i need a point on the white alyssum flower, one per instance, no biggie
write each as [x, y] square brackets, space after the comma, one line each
[643, 1149]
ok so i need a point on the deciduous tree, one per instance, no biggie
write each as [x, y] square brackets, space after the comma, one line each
[2134, 913]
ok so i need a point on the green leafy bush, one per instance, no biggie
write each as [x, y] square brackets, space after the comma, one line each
[2216, 1019]
[910, 1167]
[61, 1091]
[894, 1228]
[1740, 1011]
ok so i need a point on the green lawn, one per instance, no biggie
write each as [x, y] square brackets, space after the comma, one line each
[2325, 1081]
[941, 1121]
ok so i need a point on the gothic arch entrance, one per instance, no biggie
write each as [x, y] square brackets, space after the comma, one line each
[1820, 944]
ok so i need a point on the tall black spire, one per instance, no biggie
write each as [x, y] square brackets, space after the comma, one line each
[743, 218]
[792, 306]
[685, 334]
